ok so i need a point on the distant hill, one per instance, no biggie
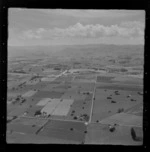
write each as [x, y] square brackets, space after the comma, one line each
[125, 55]
[65, 50]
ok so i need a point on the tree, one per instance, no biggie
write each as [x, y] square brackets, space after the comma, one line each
[38, 112]
[133, 134]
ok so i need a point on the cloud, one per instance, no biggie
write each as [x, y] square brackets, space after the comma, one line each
[131, 24]
[126, 29]
[29, 34]
[91, 13]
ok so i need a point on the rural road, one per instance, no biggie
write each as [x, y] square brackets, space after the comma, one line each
[92, 101]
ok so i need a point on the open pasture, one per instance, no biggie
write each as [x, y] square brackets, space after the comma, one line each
[32, 110]
[123, 119]
[48, 94]
[100, 134]
[50, 107]
[25, 125]
[64, 78]
[12, 76]
[32, 82]
[47, 79]
[83, 80]
[119, 86]
[73, 94]
[43, 102]
[37, 86]
[16, 137]
[16, 110]
[136, 110]
[84, 86]
[80, 107]
[128, 80]
[60, 88]
[56, 82]
[106, 79]
[51, 72]
[12, 94]
[107, 102]
[50, 86]
[29, 121]
[63, 108]
[66, 130]
[29, 93]
[12, 84]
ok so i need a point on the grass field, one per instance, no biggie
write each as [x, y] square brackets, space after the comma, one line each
[16, 110]
[67, 99]
[73, 131]
[106, 79]
[104, 107]
[120, 87]
[123, 119]
[43, 102]
[25, 125]
[63, 108]
[29, 93]
[48, 94]
[100, 134]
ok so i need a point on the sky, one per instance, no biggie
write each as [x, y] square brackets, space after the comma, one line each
[28, 27]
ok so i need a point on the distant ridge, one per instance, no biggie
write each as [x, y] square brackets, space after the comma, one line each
[72, 49]
[33, 46]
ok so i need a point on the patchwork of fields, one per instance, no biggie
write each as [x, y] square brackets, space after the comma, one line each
[78, 109]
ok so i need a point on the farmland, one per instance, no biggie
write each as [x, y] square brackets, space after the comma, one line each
[51, 99]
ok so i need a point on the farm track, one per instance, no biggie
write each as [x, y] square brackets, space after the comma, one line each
[92, 102]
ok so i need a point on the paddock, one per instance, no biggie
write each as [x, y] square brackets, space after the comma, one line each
[29, 93]
[64, 107]
[43, 102]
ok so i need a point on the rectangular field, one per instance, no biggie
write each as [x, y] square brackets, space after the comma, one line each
[84, 86]
[43, 102]
[128, 80]
[66, 130]
[29, 93]
[123, 119]
[106, 79]
[48, 79]
[17, 110]
[80, 107]
[48, 94]
[120, 87]
[50, 106]
[16, 137]
[29, 121]
[63, 108]
[25, 125]
[31, 111]
[107, 102]
[100, 134]
[136, 110]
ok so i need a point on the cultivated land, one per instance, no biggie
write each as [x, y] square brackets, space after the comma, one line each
[93, 96]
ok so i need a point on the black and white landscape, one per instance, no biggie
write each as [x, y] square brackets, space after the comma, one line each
[75, 76]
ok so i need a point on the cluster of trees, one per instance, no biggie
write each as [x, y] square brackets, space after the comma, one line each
[20, 99]
[38, 112]
[120, 110]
